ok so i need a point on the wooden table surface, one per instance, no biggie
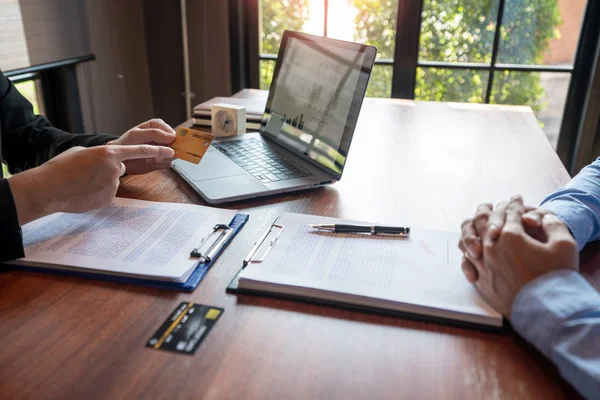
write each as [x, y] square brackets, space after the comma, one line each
[425, 165]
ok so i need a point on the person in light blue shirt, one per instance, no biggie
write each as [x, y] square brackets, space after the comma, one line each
[525, 262]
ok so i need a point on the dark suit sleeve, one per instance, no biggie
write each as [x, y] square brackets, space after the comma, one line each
[11, 241]
[27, 141]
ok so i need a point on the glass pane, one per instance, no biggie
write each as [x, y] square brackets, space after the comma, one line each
[29, 91]
[298, 15]
[458, 30]
[462, 85]
[544, 92]
[266, 73]
[380, 83]
[540, 31]
[365, 21]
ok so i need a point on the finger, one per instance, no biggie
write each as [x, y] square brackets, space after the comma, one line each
[161, 165]
[150, 135]
[469, 240]
[514, 213]
[123, 169]
[469, 270]
[480, 221]
[555, 229]
[533, 219]
[496, 221]
[133, 152]
[164, 160]
[157, 123]
[462, 247]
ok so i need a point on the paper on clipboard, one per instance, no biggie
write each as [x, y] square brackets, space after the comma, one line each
[420, 274]
[133, 238]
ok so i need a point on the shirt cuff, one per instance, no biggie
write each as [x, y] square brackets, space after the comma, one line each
[11, 239]
[542, 306]
[578, 219]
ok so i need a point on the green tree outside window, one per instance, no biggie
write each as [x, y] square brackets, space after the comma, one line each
[451, 31]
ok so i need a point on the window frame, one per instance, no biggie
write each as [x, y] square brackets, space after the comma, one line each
[36, 78]
[406, 63]
[60, 92]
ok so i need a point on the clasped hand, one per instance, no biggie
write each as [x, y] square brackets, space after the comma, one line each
[509, 246]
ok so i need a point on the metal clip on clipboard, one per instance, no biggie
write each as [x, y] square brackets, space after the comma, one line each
[206, 252]
[250, 257]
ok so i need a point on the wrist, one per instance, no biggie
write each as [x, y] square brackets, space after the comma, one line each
[32, 196]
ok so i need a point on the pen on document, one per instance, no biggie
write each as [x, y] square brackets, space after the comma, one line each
[373, 230]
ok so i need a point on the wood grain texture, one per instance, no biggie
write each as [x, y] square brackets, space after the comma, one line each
[115, 88]
[208, 35]
[422, 164]
[162, 21]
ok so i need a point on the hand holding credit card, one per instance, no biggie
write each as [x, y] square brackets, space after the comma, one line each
[191, 145]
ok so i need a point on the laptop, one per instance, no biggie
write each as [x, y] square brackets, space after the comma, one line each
[314, 101]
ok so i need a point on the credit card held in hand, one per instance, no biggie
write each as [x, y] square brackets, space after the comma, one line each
[190, 145]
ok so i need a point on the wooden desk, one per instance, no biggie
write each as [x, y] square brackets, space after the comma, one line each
[421, 164]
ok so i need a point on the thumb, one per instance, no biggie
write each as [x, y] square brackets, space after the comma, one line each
[555, 229]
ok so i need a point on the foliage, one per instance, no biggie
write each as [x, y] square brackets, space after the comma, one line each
[451, 31]
[277, 16]
[28, 90]
[463, 31]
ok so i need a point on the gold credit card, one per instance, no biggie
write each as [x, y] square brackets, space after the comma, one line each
[191, 145]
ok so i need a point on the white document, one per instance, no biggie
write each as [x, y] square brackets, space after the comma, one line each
[128, 237]
[420, 274]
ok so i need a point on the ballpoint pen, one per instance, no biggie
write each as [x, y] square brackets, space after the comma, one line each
[373, 230]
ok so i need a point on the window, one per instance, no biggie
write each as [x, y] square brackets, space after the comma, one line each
[29, 86]
[500, 51]
[365, 21]
[481, 51]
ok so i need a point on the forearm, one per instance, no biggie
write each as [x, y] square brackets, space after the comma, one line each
[32, 145]
[578, 204]
[559, 313]
[31, 200]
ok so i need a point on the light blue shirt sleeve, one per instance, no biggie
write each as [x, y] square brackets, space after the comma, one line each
[578, 204]
[559, 313]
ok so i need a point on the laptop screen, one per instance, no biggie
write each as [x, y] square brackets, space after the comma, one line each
[315, 97]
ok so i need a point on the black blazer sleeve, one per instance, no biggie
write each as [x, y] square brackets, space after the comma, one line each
[11, 241]
[27, 141]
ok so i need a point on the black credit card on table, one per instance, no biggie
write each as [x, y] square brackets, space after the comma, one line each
[185, 328]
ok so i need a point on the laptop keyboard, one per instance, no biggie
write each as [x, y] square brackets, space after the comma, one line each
[259, 161]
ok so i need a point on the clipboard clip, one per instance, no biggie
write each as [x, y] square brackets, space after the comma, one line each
[250, 257]
[208, 249]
